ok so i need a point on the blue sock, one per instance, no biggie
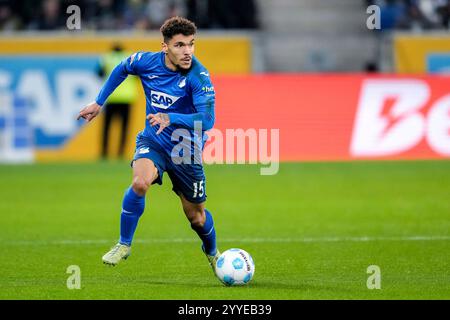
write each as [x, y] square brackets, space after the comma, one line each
[207, 234]
[132, 209]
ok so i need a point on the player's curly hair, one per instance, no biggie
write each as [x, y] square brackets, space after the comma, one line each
[177, 25]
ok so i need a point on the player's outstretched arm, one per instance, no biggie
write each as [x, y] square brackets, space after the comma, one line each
[89, 112]
[117, 76]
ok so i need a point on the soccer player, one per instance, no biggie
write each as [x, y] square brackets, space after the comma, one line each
[180, 108]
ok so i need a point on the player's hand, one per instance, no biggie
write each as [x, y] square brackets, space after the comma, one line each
[89, 112]
[162, 119]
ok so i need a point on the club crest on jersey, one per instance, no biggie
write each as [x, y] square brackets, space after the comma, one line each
[182, 82]
[162, 100]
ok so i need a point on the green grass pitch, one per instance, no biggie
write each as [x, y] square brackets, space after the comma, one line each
[313, 230]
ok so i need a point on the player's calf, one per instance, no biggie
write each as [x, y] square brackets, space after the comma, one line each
[202, 223]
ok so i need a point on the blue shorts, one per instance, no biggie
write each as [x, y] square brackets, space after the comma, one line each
[188, 179]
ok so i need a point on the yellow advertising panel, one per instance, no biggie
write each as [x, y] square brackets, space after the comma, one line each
[422, 54]
[221, 55]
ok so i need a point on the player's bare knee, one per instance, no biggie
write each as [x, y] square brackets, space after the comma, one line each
[140, 185]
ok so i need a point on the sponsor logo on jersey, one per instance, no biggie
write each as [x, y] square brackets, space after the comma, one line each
[208, 89]
[162, 100]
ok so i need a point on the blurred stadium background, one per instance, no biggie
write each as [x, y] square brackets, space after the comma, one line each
[340, 94]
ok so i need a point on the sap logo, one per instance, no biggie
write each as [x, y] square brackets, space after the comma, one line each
[393, 117]
[162, 100]
[208, 89]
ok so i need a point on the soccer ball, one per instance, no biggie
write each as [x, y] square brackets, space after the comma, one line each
[235, 267]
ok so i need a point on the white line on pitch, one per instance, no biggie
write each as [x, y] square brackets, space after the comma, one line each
[227, 240]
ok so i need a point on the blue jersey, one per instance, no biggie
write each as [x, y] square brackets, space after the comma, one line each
[187, 96]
